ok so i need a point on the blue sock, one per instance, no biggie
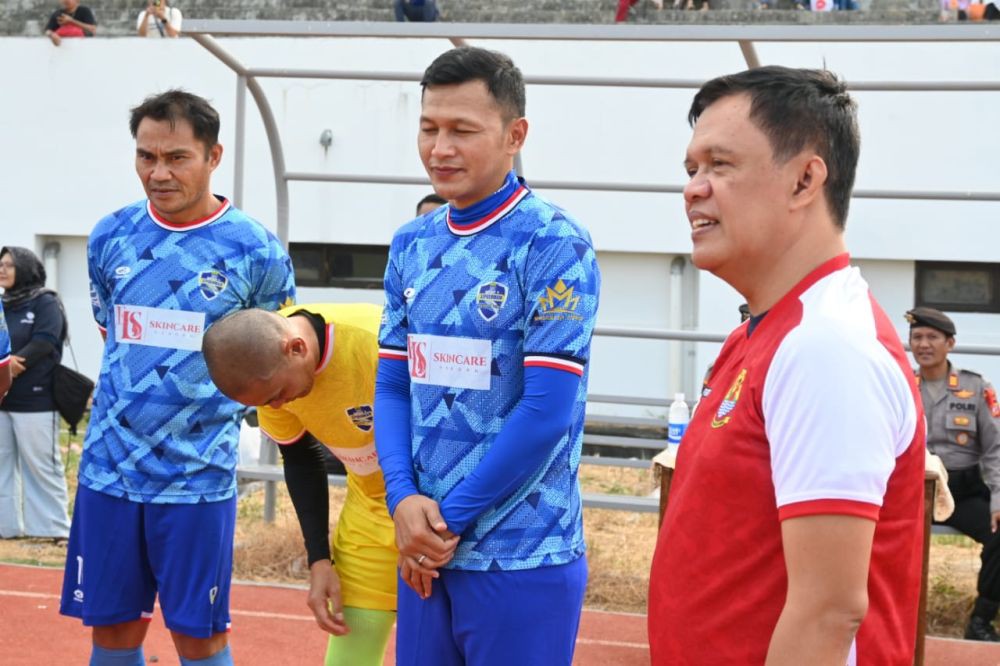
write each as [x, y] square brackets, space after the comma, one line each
[103, 657]
[221, 658]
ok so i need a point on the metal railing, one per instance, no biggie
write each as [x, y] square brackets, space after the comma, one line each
[745, 36]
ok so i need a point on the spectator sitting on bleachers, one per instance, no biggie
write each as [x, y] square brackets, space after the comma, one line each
[71, 20]
[416, 11]
[166, 20]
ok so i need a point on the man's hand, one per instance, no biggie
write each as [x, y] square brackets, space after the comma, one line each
[64, 18]
[417, 581]
[54, 38]
[994, 520]
[324, 598]
[17, 362]
[161, 12]
[421, 532]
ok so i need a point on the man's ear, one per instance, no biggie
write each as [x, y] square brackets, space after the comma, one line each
[215, 156]
[297, 347]
[950, 342]
[810, 178]
[517, 132]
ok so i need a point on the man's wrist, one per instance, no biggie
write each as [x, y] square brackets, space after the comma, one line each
[395, 505]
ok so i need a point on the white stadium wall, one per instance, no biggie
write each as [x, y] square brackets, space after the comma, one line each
[68, 161]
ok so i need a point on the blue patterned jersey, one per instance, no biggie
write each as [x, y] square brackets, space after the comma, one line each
[4, 340]
[160, 431]
[472, 297]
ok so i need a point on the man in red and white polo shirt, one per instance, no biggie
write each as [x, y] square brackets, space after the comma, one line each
[793, 532]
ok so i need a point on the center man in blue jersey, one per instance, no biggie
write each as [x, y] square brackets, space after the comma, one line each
[156, 504]
[490, 308]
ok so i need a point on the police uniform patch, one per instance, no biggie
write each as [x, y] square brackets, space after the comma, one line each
[724, 412]
[991, 400]
[361, 416]
[489, 299]
[961, 420]
[964, 394]
[211, 283]
[962, 438]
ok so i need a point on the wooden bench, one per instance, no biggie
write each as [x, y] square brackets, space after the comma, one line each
[663, 466]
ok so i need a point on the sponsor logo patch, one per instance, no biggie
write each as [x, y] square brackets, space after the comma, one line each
[211, 283]
[725, 410]
[362, 417]
[558, 303]
[122, 271]
[157, 327]
[450, 361]
[490, 299]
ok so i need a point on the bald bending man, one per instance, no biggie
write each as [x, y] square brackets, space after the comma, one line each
[311, 371]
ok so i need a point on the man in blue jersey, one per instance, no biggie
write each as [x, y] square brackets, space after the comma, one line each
[490, 309]
[156, 504]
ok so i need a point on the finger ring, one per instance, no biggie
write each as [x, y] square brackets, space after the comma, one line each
[420, 560]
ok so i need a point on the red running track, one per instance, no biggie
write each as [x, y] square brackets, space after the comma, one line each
[272, 626]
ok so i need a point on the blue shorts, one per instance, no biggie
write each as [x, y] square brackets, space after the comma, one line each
[486, 618]
[122, 553]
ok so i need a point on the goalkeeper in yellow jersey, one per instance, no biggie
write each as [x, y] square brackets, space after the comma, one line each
[311, 371]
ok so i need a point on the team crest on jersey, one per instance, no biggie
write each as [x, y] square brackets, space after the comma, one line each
[212, 283]
[489, 299]
[362, 416]
[724, 413]
[558, 303]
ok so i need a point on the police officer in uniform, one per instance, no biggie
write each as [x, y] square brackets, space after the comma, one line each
[962, 429]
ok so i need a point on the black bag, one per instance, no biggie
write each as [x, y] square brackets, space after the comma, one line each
[71, 389]
[71, 392]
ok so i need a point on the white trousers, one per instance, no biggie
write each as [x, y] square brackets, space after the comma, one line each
[32, 476]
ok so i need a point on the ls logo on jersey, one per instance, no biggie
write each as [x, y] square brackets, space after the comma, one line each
[724, 413]
[449, 361]
[558, 304]
[212, 283]
[158, 327]
[362, 417]
[490, 299]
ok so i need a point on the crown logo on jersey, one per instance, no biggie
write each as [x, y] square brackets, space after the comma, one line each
[211, 283]
[362, 416]
[490, 299]
[558, 303]
[724, 413]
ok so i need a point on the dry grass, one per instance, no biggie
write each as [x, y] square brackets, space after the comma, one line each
[620, 547]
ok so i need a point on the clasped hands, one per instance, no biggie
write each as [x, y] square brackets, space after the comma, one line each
[425, 544]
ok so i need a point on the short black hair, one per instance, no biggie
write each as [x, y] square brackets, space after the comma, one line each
[796, 109]
[470, 63]
[431, 198]
[174, 105]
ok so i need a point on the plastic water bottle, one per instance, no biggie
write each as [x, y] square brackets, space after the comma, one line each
[677, 421]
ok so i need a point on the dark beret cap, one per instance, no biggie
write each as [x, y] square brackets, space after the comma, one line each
[930, 317]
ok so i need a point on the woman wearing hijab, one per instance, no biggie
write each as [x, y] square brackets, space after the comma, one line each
[32, 475]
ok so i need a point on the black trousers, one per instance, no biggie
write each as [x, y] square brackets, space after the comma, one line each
[972, 518]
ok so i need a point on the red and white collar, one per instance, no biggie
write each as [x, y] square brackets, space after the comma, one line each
[188, 226]
[475, 226]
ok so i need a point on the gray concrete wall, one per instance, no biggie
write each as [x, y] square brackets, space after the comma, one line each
[117, 17]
